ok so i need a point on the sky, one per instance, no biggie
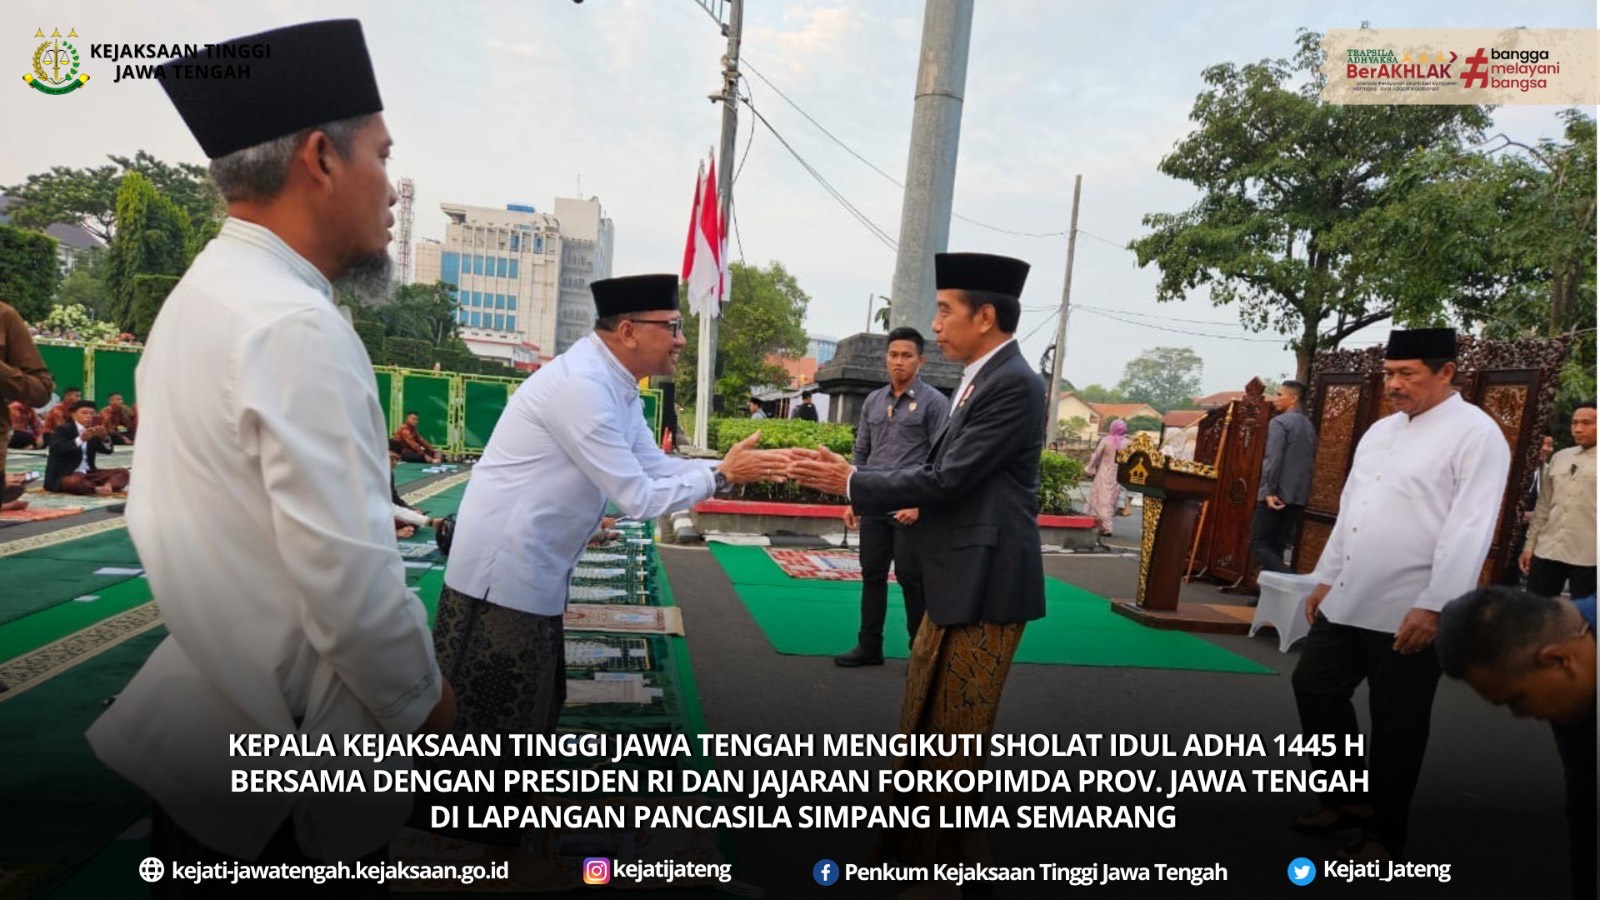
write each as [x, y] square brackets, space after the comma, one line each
[520, 101]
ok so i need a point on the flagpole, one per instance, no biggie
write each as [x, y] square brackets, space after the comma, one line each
[707, 358]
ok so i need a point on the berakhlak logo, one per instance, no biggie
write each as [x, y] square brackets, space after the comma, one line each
[151, 869]
[825, 872]
[55, 64]
[597, 870]
[1476, 70]
[1302, 872]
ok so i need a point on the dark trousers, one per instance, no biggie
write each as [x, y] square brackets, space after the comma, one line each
[1333, 660]
[20, 440]
[1546, 577]
[884, 540]
[172, 845]
[1270, 532]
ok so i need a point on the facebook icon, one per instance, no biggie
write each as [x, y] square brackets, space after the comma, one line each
[825, 872]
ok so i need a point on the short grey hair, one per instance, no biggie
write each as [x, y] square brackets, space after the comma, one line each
[258, 173]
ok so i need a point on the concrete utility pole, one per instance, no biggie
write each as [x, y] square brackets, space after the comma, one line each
[931, 170]
[1051, 425]
[729, 98]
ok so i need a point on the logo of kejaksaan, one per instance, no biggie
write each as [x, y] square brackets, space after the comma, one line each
[55, 64]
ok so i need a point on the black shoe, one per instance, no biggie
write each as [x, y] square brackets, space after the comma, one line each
[860, 656]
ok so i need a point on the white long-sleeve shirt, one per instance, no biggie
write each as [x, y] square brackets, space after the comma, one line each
[571, 436]
[1416, 517]
[263, 521]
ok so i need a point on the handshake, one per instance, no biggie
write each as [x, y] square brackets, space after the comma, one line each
[820, 469]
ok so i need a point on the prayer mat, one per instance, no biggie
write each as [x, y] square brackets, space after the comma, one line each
[808, 617]
[43, 499]
[39, 514]
[823, 565]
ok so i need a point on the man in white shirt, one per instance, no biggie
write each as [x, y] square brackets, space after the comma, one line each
[572, 436]
[1416, 518]
[266, 532]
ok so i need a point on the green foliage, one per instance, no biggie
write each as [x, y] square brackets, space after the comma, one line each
[149, 292]
[371, 334]
[407, 353]
[1164, 377]
[1291, 187]
[423, 312]
[75, 319]
[152, 239]
[28, 271]
[1144, 423]
[88, 197]
[1058, 475]
[1097, 393]
[85, 285]
[1073, 426]
[781, 433]
[762, 319]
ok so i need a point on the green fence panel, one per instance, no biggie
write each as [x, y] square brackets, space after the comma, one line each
[484, 401]
[113, 374]
[67, 365]
[427, 395]
[384, 380]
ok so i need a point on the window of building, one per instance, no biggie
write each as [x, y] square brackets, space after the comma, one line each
[511, 323]
[450, 268]
[513, 269]
[500, 267]
[499, 322]
[472, 320]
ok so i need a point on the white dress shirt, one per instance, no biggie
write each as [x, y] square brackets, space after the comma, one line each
[571, 436]
[970, 371]
[1416, 517]
[264, 525]
[83, 463]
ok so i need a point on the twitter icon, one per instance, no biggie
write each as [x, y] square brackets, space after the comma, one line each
[1302, 872]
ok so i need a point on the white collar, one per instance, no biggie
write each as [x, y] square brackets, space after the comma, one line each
[973, 368]
[611, 361]
[267, 240]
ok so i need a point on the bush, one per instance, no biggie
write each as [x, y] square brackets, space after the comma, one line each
[407, 353]
[149, 293]
[780, 433]
[371, 334]
[29, 272]
[1058, 474]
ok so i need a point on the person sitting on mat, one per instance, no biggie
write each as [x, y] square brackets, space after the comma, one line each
[71, 467]
[411, 445]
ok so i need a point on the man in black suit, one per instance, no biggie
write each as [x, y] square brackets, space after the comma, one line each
[70, 468]
[1285, 478]
[978, 532]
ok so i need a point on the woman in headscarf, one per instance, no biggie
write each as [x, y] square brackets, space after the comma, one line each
[1103, 469]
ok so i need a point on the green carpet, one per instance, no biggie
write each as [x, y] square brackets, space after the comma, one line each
[805, 617]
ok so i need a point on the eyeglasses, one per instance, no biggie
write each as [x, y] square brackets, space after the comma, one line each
[675, 325]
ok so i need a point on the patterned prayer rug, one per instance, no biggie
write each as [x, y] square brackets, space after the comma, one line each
[824, 565]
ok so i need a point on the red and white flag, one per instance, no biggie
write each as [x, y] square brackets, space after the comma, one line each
[705, 254]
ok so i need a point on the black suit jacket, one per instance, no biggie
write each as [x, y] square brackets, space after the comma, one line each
[978, 532]
[65, 454]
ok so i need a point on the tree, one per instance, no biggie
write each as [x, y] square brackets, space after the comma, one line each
[85, 285]
[1099, 393]
[422, 312]
[1167, 378]
[88, 197]
[1073, 427]
[152, 238]
[1137, 424]
[28, 271]
[1288, 184]
[882, 315]
[763, 318]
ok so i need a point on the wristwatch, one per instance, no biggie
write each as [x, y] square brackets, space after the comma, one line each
[721, 481]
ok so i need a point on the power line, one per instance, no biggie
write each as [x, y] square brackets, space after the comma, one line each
[1102, 240]
[869, 164]
[877, 232]
[1165, 318]
[1043, 323]
[1221, 337]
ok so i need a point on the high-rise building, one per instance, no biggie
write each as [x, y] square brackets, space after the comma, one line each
[505, 265]
[586, 242]
[425, 261]
[821, 348]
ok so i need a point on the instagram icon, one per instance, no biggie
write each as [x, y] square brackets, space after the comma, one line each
[597, 870]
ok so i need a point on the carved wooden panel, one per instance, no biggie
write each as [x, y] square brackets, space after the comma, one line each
[1513, 381]
[1338, 415]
